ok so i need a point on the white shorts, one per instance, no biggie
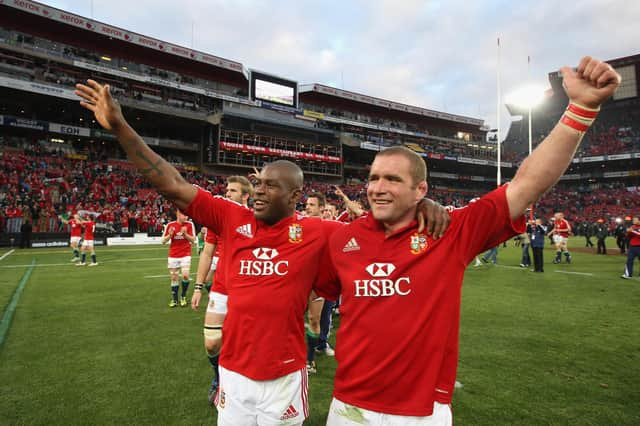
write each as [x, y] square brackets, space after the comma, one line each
[559, 239]
[214, 263]
[217, 303]
[341, 414]
[75, 240]
[179, 262]
[87, 243]
[242, 401]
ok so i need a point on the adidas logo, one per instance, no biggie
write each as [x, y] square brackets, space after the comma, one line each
[290, 413]
[245, 230]
[352, 245]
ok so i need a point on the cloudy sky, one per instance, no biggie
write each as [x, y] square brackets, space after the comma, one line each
[436, 54]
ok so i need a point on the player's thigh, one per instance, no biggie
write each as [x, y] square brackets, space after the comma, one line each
[236, 399]
[185, 265]
[173, 264]
[284, 400]
[315, 310]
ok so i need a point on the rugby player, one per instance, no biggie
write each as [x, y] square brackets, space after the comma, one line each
[319, 312]
[239, 189]
[561, 231]
[397, 346]
[89, 227]
[182, 233]
[76, 234]
[272, 256]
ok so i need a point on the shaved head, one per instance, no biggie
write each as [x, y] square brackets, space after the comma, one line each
[289, 172]
[278, 189]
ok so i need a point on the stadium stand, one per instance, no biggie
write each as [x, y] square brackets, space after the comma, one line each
[203, 114]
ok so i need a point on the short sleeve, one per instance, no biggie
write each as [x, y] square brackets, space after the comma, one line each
[486, 223]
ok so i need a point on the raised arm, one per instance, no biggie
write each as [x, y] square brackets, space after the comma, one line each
[162, 175]
[350, 205]
[588, 87]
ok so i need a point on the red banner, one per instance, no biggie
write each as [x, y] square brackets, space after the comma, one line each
[278, 152]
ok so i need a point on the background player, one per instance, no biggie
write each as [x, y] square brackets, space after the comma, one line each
[633, 235]
[561, 231]
[76, 234]
[89, 227]
[319, 311]
[239, 189]
[181, 233]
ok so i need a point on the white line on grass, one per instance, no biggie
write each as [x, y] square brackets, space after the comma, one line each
[510, 267]
[73, 264]
[7, 253]
[107, 248]
[575, 273]
[157, 276]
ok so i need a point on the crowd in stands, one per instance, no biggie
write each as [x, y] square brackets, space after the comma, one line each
[56, 49]
[21, 66]
[588, 204]
[39, 185]
[614, 132]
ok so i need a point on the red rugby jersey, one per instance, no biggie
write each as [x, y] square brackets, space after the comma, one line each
[634, 235]
[397, 345]
[89, 228]
[269, 273]
[213, 238]
[562, 228]
[76, 228]
[179, 246]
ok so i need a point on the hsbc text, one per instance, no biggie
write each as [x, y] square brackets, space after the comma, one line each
[382, 288]
[263, 267]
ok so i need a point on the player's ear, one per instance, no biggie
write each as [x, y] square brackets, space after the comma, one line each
[296, 195]
[422, 189]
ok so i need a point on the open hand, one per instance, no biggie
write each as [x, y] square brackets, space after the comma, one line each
[97, 99]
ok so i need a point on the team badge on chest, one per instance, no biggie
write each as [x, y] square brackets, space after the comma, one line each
[295, 233]
[418, 243]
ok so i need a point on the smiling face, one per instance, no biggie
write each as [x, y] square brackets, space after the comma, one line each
[277, 190]
[392, 192]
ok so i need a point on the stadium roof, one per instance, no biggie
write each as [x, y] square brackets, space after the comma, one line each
[61, 16]
[370, 100]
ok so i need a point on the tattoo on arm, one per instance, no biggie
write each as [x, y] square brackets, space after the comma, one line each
[153, 166]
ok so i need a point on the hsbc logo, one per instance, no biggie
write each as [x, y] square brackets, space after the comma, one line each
[381, 285]
[264, 263]
[380, 269]
[264, 253]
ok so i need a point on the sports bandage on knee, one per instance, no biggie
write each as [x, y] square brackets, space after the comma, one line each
[212, 332]
[579, 117]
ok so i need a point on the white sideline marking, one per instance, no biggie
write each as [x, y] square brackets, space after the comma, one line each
[575, 273]
[510, 267]
[73, 264]
[7, 254]
[157, 276]
[106, 248]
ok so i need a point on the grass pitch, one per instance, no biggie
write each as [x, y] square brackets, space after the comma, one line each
[101, 346]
